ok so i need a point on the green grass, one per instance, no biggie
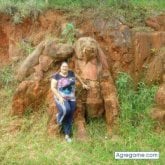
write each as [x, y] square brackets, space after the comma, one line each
[135, 101]
[6, 76]
[134, 11]
[21, 9]
[65, 4]
[30, 145]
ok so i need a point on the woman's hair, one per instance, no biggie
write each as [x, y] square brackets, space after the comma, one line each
[64, 62]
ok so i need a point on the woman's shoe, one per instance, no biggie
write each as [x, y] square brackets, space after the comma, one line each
[68, 139]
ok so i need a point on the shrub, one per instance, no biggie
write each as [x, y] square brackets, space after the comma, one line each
[22, 9]
[68, 34]
[134, 102]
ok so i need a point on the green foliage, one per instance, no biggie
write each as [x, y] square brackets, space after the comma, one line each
[134, 11]
[121, 3]
[70, 4]
[97, 128]
[6, 76]
[68, 34]
[26, 47]
[24, 141]
[134, 103]
[22, 9]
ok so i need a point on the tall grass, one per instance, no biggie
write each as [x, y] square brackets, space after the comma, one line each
[38, 4]
[154, 4]
[6, 76]
[20, 9]
[24, 141]
[135, 103]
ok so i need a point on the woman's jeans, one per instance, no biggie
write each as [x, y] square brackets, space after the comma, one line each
[65, 115]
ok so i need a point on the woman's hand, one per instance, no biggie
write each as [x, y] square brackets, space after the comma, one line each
[85, 86]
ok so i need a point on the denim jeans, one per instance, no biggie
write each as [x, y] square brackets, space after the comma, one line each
[65, 115]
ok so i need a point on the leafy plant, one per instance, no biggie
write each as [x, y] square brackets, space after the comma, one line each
[134, 102]
[68, 34]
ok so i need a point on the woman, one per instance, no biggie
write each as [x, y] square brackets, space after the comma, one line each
[63, 87]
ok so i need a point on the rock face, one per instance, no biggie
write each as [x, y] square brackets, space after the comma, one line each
[89, 62]
[58, 52]
[146, 46]
[118, 49]
[101, 99]
[92, 66]
[130, 50]
[116, 39]
[156, 68]
[32, 92]
[158, 112]
[157, 23]
[28, 97]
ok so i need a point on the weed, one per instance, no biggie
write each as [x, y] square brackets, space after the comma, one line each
[26, 47]
[134, 11]
[68, 34]
[22, 9]
[6, 76]
[134, 104]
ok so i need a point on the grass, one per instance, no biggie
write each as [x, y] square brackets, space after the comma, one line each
[134, 11]
[26, 47]
[135, 101]
[30, 145]
[21, 9]
[6, 76]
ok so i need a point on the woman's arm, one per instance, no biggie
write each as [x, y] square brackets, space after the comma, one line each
[83, 84]
[55, 91]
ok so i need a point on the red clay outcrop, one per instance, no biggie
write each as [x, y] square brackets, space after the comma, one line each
[158, 112]
[120, 49]
[157, 22]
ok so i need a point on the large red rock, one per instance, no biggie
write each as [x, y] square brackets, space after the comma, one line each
[160, 96]
[156, 67]
[158, 112]
[145, 46]
[43, 66]
[157, 23]
[91, 65]
[125, 51]
[28, 96]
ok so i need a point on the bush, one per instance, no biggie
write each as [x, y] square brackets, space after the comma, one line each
[134, 102]
[22, 9]
[68, 34]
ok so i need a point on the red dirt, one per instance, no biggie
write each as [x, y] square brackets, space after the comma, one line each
[4, 45]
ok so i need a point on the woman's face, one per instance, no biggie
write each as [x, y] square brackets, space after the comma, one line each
[64, 68]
